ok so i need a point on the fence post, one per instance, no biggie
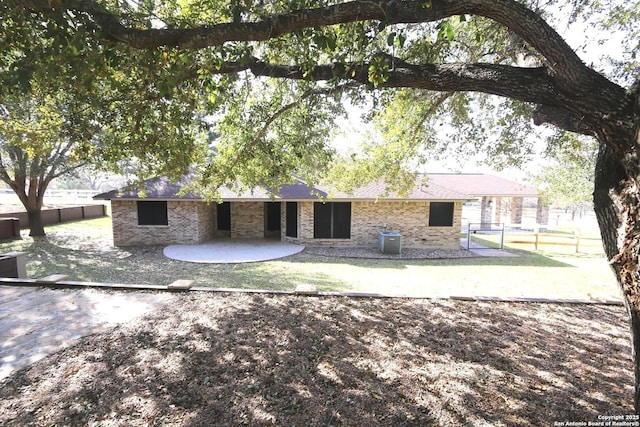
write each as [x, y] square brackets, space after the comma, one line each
[537, 237]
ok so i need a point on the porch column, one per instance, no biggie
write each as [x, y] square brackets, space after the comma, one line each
[516, 210]
[486, 211]
[497, 210]
[542, 213]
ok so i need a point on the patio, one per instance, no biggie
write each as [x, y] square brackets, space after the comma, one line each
[229, 251]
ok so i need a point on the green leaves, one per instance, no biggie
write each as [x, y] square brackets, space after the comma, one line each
[270, 138]
[445, 31]
[395, 39]
[567, 179]
[327, 42]
[378, 71]
[155, 105]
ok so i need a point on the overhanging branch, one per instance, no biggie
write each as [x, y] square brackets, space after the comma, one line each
[525, 84]
[510, 13]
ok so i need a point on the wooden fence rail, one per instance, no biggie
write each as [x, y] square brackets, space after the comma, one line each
[539, 239]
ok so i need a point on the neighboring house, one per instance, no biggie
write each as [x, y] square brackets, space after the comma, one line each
[428, 217]
[501, 200]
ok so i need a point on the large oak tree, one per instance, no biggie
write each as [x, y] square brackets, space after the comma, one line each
[38, 144]
[273, 75]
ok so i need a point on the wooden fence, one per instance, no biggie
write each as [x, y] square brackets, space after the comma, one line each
[542, 239]
[49, 217]
[9, 228]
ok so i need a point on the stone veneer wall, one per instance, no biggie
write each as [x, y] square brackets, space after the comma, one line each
[247, 220]
[517, 204]
[411, 219]
[189, 222]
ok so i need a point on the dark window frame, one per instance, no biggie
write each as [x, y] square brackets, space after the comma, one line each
[291, 218]
[332, 220]
[441, 214]
[152, 213]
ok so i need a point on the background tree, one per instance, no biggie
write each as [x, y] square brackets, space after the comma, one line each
[567, 180]
[276, 74]
[67, 102]
[38, 144]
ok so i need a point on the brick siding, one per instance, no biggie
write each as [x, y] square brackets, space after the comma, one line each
[411, 219]
[247, 220]
[189, 222]
[195, 222]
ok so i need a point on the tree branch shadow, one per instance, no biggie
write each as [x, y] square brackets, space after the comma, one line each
[282, 360]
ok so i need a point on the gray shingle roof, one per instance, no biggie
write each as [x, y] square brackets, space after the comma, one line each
[428, 187]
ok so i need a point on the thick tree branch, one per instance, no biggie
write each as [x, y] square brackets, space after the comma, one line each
[565, 74]
[518, 18]
[525, 84]
[533, 85]
[562, 119]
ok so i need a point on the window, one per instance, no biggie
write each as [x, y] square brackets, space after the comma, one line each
[223, 211]
[292, 219]
[441, 214]
[152, 213]
[332, 220]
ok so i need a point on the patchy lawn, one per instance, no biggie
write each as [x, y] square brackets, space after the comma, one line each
[235, 359]
[84, 250]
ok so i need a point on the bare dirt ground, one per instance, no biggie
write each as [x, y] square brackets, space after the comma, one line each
[238, 359]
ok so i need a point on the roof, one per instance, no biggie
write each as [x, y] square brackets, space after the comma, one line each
[158, 188]
[480, 185]
[428, 187]
[423, 190]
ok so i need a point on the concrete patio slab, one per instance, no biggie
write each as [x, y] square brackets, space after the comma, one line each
[228, 251]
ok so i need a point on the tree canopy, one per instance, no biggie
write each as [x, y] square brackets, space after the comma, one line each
[273, 77]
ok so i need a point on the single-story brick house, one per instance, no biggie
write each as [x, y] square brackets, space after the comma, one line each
[428, 217]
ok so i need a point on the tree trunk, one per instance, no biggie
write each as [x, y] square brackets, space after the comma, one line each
[617, 207]
[36, 228]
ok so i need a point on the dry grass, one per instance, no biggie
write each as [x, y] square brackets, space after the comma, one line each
[214, 359]
[84, 251]
[222, 359]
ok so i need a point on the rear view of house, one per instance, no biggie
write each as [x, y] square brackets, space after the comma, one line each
[428, 217]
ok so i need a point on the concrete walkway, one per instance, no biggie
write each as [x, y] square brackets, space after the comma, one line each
[36, 322]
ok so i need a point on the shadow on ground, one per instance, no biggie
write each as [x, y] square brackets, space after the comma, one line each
[280, 360]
